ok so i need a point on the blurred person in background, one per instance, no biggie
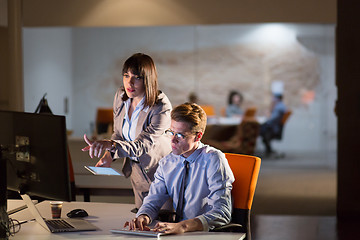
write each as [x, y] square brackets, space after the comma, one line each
[273, 125]
[233, 108]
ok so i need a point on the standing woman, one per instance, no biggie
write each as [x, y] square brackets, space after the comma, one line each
[141, 116]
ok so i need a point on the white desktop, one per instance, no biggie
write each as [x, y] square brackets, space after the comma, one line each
[105, 216]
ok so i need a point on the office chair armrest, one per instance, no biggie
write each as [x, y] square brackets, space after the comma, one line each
[230, 227]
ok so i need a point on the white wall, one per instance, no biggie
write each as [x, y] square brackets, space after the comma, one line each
[210, 60]
[98, 57]
[48, 69]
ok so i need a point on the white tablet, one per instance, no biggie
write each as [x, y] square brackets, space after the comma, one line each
[103, 171]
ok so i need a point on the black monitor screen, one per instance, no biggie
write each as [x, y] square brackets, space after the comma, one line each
[35, 148]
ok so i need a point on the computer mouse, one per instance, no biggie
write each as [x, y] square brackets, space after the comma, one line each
[77, 213]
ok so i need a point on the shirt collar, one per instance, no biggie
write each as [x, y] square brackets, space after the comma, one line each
[140, 104]
[194, 155]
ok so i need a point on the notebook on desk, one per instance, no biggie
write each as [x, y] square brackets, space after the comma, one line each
[16, 205]
[58, 225]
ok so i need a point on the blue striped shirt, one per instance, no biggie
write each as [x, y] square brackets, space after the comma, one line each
[208, 187]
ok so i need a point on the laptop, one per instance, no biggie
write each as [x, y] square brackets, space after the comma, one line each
[139, 232]
[58, 225]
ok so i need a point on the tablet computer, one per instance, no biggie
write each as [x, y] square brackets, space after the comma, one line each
[103, 171]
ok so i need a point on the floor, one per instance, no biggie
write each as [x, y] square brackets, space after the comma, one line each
[296, 184]
[291, 227]
[295, 198]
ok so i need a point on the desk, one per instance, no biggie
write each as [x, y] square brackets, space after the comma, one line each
[231, 120]
[105, 216]
[89, 184]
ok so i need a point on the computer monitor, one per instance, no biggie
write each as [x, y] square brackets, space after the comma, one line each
[35, 149]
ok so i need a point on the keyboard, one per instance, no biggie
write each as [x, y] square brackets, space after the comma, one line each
[59, 224]
[138, 232]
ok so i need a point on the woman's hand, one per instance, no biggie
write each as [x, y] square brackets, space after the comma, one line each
[95, 148]
[105, 161]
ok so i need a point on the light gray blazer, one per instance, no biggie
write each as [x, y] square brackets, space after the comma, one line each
[151, 143]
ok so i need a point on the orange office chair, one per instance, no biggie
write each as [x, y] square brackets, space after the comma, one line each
[286, 116]
[104, 120]
[246, 171]
[209, 110]
[249, 133]
[250, 112]
[284, 119]
[249, 129]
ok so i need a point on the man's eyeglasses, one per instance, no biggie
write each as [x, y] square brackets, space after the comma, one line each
[178, 136]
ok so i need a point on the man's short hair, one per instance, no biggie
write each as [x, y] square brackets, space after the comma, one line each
[192, 114]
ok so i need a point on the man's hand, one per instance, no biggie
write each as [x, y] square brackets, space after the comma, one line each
[96, 148]
[190, 225]
[172, 228]
[140, 223]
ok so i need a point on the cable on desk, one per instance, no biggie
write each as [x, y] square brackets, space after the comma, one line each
[14, 226]
[9, 226]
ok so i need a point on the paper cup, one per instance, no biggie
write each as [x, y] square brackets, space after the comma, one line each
[56, 209]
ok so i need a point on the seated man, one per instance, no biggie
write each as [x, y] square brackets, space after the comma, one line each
[272, 128]
[205, 200]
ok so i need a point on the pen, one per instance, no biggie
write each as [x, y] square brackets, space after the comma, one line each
[26, 221]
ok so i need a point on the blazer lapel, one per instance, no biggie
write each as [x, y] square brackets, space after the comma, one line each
[140, 124]
[121, 116]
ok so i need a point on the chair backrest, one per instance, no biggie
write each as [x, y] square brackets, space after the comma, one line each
[250, 112]
[104, 115]
[209, 110]
[249, 133]
[286, 117]
[104, 120]
[246, 171]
